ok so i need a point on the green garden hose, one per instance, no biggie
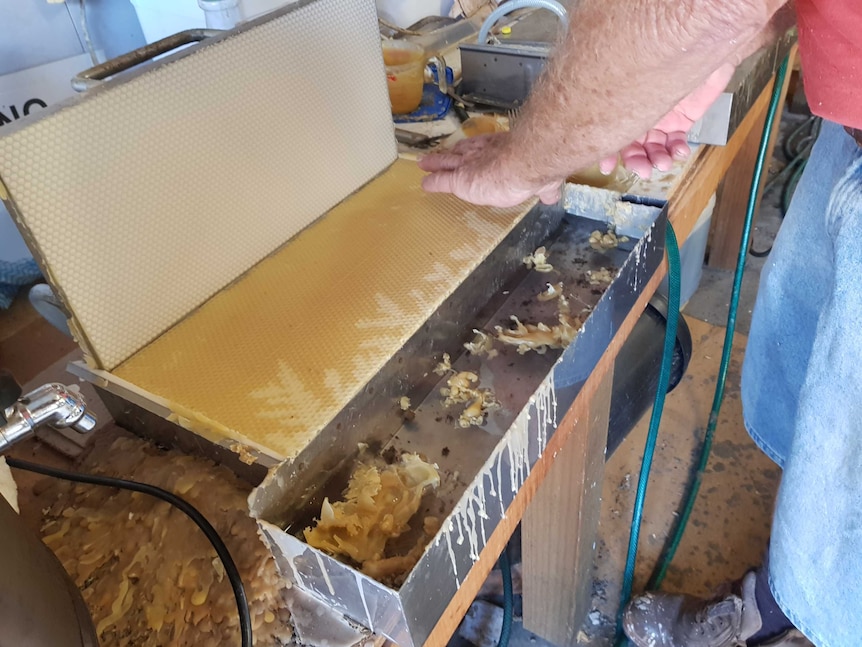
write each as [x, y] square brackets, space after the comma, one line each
[655, 418]
[693, 486]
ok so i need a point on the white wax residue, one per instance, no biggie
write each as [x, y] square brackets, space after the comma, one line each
[452, 558]
[370, 624]
[471, 512]
[325, 574]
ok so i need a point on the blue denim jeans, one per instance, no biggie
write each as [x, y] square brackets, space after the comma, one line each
[802, 394]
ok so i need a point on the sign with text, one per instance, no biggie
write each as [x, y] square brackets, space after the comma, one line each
[27, 92]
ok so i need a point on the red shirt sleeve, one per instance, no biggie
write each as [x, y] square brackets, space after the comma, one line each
[830, 44]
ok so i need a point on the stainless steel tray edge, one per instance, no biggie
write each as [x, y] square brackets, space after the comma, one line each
[424, 596]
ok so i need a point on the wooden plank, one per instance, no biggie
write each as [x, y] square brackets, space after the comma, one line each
[461, 601]
[692, 191]
[776, 125]
[728, 219]
[729, 216]
[560, 527]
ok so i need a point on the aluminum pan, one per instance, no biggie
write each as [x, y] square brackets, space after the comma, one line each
[482, 470]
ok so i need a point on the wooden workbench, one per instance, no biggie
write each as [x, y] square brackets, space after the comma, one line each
[559, 504]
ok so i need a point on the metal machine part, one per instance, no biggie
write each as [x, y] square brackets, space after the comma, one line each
[39, 604]
[637, 368]
[56, 405]
[92, 77]
[485, 468]
[481, 469]
[501, 74]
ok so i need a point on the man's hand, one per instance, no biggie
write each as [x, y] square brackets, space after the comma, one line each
[485, 170]
[480, 170]
[667, 140]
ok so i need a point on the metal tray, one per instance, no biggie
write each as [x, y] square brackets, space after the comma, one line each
[482, 469]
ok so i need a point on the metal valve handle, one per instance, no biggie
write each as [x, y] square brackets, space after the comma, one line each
[57, 405]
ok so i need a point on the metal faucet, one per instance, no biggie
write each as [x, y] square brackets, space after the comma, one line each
[51, 404]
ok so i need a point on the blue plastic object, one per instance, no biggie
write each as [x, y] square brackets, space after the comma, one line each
[435, 105]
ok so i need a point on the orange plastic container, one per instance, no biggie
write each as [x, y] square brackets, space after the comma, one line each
[405, 74]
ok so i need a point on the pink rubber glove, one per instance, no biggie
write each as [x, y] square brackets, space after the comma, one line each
[667, 140]
[476, 170]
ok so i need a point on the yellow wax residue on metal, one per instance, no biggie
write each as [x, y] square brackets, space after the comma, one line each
[271, 359]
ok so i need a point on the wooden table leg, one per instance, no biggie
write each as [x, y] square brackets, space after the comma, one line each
[728, 218]
[560, 526]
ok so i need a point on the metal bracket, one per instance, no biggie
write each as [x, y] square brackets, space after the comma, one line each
[95, 75]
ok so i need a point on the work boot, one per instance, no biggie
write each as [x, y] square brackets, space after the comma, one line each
[670, 620]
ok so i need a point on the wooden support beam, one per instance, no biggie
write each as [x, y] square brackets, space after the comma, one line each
[459, 604]
[729, 216]
[560, 527]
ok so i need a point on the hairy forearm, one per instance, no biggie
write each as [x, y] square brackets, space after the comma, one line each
[622, 66]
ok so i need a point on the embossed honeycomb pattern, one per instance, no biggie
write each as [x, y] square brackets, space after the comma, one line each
[272, 359]
[148, 196]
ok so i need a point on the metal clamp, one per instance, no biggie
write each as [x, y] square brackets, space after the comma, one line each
[92, 77]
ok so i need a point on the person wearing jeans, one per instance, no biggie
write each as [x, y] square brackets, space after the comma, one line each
[800, 395]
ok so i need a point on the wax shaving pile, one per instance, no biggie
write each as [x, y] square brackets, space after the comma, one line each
[601, 276]
[553, 291]
[538, 261]
[608, 240]
[461, 388]
[444, 366]
[378, 505]
[482, 344]
[539, 337]
[147, 573]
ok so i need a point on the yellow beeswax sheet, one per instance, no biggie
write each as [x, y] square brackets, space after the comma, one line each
[271, 359]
